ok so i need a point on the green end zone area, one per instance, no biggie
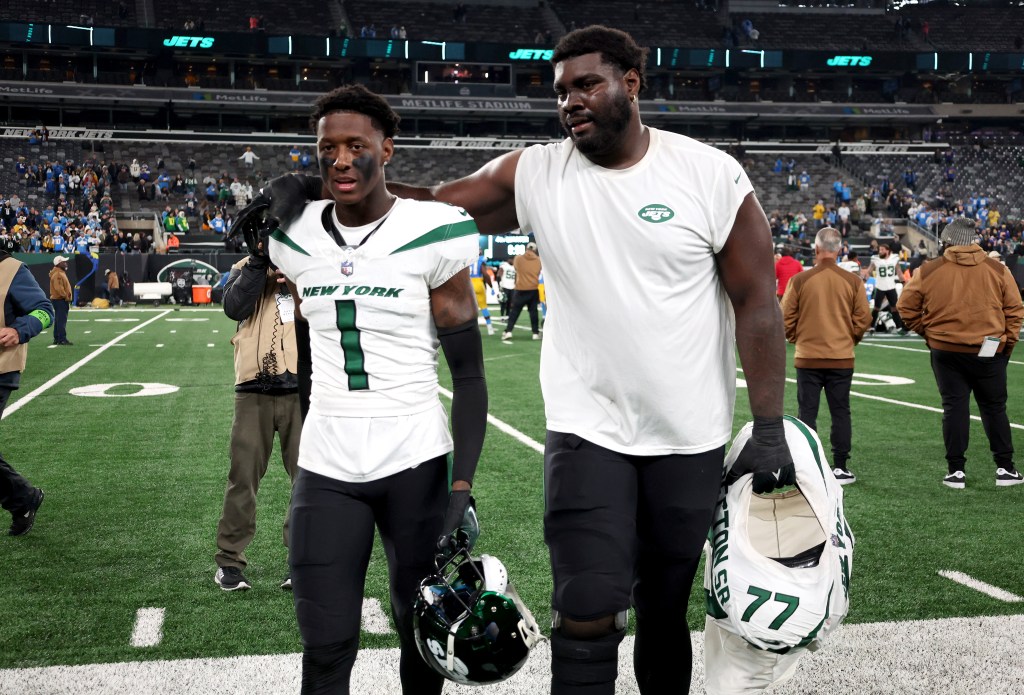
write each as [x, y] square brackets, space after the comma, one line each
[134, 485]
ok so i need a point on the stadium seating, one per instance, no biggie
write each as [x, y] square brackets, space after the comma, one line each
[436, 21]
[279, 16]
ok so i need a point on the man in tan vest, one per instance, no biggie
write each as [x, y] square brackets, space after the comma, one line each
[26, 312]
[825, 311]
[266, 401]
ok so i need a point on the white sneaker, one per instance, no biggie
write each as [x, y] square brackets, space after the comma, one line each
[506, 337]
[956, 480]
[490, 329]
[536, 336]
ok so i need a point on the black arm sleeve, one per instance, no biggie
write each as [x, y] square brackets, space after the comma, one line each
[465, 356]
[244, 288]
[304, 365]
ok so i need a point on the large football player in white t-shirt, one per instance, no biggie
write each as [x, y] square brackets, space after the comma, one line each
[382, 282]
[638, 417]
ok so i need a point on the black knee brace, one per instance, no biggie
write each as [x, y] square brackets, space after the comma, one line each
[328, 669]
[584, 667]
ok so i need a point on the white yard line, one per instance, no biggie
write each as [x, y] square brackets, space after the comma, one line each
[905, 404]
[953, 656]
[373, 619]
[505, 427]
[149, 627]
[908, 349]
[978, 585]
[28, 398]
[918, 406]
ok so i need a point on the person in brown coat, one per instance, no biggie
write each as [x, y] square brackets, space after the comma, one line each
[114, 288]
[527, 267]
[825, 311]
[968, 308]
[60, 297]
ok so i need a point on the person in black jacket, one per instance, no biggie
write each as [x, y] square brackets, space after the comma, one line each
[27, 312]
[266, 401]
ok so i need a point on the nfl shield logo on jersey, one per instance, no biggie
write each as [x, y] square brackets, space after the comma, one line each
[347, 268]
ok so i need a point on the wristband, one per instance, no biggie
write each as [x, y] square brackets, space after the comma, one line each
[43, 317]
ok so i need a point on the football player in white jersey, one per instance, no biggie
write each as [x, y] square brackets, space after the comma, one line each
[885, 268]
[381, 282]
[637, 418]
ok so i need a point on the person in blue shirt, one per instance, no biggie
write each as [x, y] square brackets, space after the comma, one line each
[27, 312]
[217, 224]
[293, 155]
[305, 160]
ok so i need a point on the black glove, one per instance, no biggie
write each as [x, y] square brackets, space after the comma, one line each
[277, 205]
[767, 456]
[461, 528]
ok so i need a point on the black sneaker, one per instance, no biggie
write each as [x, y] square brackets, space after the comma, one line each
[23, 520]
[287, 583]
[956, 480]
[231, 579]
[1008, 476]
[843, 476]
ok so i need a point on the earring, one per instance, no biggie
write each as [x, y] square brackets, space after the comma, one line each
[634, 98]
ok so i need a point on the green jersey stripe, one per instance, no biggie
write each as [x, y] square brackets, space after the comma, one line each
[439, 234]
[286, 240]
[810, 441]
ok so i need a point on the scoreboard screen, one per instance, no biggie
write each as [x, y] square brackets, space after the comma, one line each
[504, 247]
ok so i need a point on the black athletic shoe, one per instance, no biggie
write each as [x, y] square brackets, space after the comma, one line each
[231, 579]
[956, 480]
[23, 520]
[1008, 476]
[66, 342]
[843, 476]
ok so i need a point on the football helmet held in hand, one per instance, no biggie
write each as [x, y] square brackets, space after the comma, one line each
[470, 624]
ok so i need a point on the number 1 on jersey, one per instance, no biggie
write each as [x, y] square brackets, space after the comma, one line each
[358, 380]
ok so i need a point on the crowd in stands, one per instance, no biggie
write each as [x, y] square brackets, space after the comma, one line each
[77, 209]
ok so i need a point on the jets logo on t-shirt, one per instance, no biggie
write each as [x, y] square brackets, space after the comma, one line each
[656, 213]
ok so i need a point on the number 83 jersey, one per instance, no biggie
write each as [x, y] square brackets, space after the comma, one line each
[777, 568]
[372, 334]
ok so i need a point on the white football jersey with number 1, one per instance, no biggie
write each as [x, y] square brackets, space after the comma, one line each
[372, 334]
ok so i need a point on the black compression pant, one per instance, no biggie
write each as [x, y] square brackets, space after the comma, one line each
[331, 539]
[627, 530]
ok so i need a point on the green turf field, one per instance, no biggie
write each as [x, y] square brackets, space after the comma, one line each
[134, 485]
